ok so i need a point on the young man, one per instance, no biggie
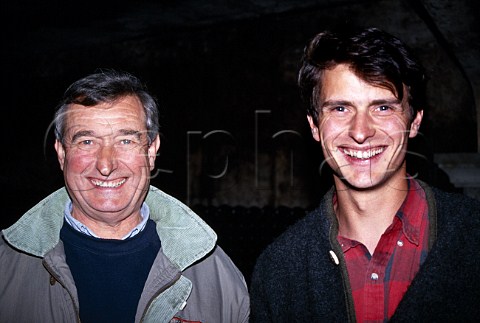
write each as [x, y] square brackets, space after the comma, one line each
[381, 245]
[109, 247]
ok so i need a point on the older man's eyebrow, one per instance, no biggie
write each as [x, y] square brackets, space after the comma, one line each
[130, 132]
[91, 133]
[82, 133]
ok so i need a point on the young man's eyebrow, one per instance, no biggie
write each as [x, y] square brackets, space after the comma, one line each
[386, 101]
[330, 103]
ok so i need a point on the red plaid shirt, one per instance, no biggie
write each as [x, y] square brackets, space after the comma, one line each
[379, 282]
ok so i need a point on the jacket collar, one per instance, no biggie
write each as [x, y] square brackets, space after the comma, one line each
[185, 237]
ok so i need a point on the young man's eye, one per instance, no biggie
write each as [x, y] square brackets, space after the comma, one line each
[339, 109]
[384, 110]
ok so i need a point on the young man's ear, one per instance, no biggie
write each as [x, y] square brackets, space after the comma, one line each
[313, 128]
[152, 152]
[60, 153]
[415, 125]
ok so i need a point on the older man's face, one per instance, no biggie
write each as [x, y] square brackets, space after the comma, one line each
[106, 159]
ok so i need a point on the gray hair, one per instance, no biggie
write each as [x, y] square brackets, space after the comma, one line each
[107, 86]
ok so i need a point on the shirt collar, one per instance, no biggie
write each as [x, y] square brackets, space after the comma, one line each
[79, 226]
[412, 211]
[346, 243]
[411, 214]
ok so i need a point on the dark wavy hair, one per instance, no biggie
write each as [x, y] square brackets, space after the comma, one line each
[104, 87]
[373, 55]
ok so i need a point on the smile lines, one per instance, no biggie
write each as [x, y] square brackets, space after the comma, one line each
[363, 154]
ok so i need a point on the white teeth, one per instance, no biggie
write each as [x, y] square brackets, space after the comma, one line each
[363, 154]
[110, 184]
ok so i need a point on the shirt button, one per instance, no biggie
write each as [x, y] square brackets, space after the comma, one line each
[374, 276]
[400, 243]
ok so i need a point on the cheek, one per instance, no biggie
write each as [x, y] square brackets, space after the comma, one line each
[396, 128]
[77, 163]
[137, 163]
[330, 131]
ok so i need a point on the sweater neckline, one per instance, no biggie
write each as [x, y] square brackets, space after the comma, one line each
[111, 247]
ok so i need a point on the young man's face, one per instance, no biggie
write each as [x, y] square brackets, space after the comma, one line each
[106, 159]
[363, 129]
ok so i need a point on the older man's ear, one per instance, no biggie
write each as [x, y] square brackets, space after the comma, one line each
[60, 153]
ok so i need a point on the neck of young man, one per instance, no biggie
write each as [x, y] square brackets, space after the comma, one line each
[364, 214]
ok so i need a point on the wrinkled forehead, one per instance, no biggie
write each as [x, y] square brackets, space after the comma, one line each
[123, 113]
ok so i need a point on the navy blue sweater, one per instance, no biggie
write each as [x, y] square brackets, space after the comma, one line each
[110, 274]
[295, 279]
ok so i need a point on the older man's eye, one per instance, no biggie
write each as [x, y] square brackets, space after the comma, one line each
[127, 144]
[85, 144]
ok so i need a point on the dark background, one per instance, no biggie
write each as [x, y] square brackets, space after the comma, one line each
[235, 142]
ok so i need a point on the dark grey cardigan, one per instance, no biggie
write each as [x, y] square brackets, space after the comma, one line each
[297, 280]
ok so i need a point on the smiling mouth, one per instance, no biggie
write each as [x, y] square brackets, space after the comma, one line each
[363, 154]
[108, 184]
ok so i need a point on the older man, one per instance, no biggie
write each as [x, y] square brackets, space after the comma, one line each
[109, 247]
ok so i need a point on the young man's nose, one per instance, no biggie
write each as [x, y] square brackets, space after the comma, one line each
[361, 127]
[106, 160]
